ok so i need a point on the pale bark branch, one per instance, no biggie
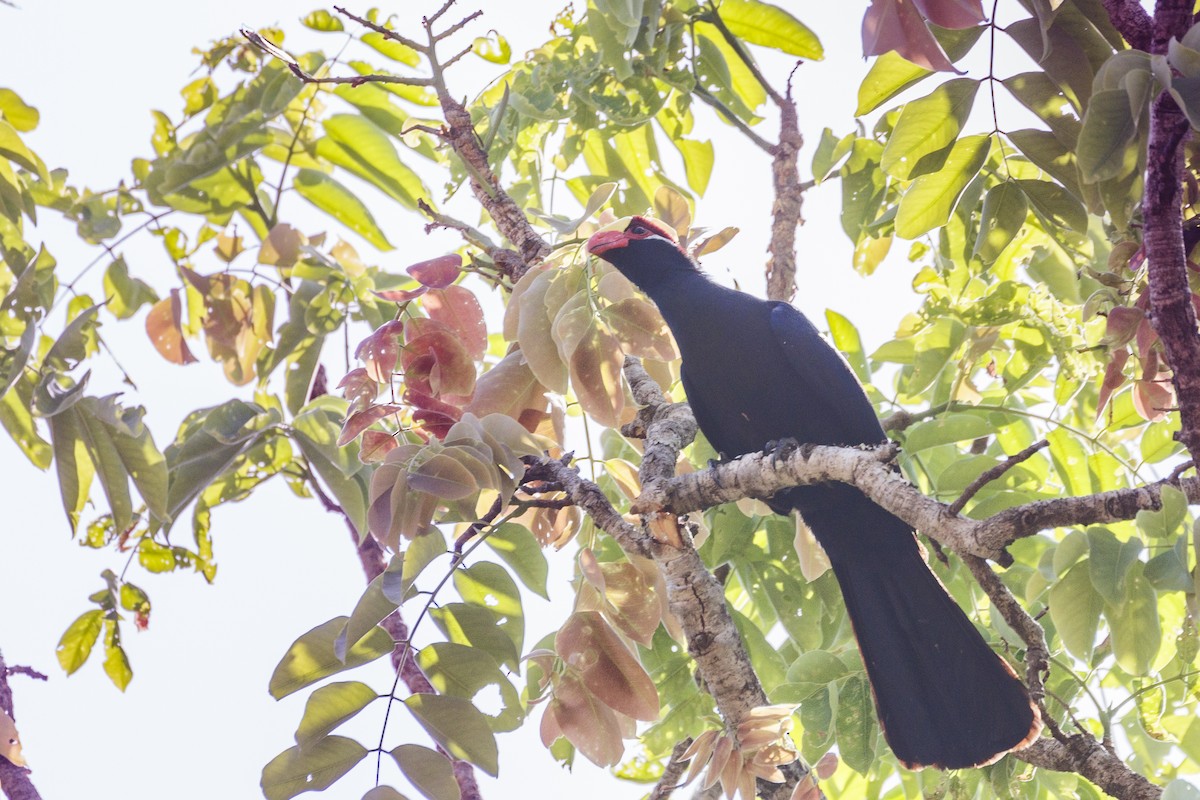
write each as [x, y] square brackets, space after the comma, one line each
[1085, 756]
[760, 475]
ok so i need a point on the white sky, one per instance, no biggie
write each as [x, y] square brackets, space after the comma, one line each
[197, 721]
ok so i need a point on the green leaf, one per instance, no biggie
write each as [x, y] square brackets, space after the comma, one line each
[72, 463]
[125, 295]
[21, 116]
[462, 671]
[311, 657]
[519, 549]
[77, 642]
[1004, 211]
[1180, 789]
[1136, 629]
[428, 770]
[329, 707]
[322, 20]
[1110, 561]
[372, 608]
[340, 203]
[848, 342]
[698, 158]
[383, 793]
[770, 26]
[856, 729]
[927, 204]
[12, 148]
[361, 147]
[116, 662]
[891, 73]
[1168, 519]
[397, 51]
[1109, 129]
[477, 627]
[1050, 155]
[927, 127]
[945, 429]
[1075, 608]
[457, 726]
[295, 771]
[1055, 204]
[811, 672]
[490, 586]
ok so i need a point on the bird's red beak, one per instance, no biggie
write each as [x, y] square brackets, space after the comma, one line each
[604, 241]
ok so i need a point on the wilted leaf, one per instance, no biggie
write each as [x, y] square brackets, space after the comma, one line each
[163, 326]
[590, 725]
[607, 668]
[596, 375]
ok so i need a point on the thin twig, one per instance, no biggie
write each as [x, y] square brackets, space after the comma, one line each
[387, 33]
[669, 781]
[994, 473]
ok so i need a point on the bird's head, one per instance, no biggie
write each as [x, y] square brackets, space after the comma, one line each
[646, 252]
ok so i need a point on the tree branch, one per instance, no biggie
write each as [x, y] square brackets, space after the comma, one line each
[1131, 20]
[1171, 310]
[1085, 756]
[14, 778]
[760, 476]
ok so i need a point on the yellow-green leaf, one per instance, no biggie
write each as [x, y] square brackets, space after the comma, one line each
[927, 127]
[459, 727]
[928, 203]
[295, 771]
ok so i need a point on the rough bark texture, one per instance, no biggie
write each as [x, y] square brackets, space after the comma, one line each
[761, 475]
[789, 198]
[507, 215]
[14, 779]
[1132, 21]
[1171, 310]
[1087, 757]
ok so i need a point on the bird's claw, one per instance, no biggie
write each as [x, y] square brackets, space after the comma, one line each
[780, 449]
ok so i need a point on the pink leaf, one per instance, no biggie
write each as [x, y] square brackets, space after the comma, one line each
[458, 309]
[401, 295]
[1114, 376]
[359, 388]
[380, 351]
[359, 422]
[375, 445]
[897, 25]
[955, 14]
[438, 273]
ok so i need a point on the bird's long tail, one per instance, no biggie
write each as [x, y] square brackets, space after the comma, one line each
[944, 698]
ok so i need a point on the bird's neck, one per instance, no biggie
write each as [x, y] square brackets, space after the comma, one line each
[687, 299]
